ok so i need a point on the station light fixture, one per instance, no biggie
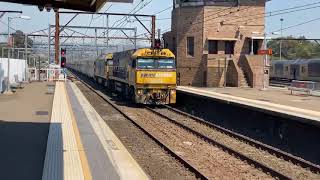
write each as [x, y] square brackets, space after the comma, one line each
[25, 17]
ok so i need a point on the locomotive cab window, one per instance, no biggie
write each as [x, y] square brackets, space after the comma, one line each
[166, 64]
[146, 64]
[156, 63]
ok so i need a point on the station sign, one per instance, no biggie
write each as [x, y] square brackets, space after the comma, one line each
[121, 1]
[265, 52]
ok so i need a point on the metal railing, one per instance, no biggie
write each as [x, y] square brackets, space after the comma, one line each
[306, 86]
[47, 74]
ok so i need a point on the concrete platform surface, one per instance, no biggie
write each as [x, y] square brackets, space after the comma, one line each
[24, 124]
[63, 155]
[107, 156]
[274, 99]
[274, 95]
[81, 145]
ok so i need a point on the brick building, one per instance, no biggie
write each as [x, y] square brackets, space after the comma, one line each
[217, 42]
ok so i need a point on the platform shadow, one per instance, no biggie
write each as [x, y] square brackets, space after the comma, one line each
[23, 149]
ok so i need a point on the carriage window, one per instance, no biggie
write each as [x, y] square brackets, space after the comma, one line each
[287, 68]
[303, 69]
[314, 69]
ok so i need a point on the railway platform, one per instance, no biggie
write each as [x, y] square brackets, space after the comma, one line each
[48, 130]
[24, 124]
[277, 101]
[81, 145]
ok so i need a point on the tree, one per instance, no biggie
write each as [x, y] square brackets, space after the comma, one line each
[293, 49]
[19, 39]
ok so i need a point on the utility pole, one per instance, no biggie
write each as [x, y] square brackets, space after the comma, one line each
[96, 41]
[8, 90]
[39, 67]
[107, 30]
[153, 31]
[26, 56]
[281, 39]
[57, 38]
[135, 38]
[49, 43]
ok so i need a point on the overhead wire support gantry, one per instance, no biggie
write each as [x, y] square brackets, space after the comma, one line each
[152, 32]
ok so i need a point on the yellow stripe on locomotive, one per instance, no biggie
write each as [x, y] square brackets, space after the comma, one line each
[156, 77]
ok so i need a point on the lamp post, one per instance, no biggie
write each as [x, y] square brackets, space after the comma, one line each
[8, 89]
[281, 38]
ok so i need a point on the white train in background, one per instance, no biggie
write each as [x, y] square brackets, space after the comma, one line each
[303, 70]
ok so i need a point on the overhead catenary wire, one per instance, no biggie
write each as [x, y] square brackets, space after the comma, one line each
[296, 25]
[114, 24]
[254, 17]
[124, 23]
[277, 14]
[161, 11]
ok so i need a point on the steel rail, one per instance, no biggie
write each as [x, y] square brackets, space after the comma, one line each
[232, 152]
[166, 148]
[280, 154]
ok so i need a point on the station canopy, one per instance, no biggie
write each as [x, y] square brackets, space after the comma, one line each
[82, 5]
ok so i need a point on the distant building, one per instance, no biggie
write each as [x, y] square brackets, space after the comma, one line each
[211, 36]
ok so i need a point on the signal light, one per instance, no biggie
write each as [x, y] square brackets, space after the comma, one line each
[157, 44]
[63, 62]
[63, 52]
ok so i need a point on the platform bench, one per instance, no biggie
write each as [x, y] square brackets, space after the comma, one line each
[308, 91]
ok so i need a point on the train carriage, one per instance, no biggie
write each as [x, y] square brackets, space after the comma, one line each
[306, 70]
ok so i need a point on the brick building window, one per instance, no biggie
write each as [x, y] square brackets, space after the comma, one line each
[174, 45]
[256, 46]
[190, 46]
[213, 47]
[229, 47]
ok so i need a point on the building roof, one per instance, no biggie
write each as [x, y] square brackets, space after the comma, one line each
[83, 5]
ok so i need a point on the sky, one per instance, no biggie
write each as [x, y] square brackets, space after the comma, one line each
[41, 20]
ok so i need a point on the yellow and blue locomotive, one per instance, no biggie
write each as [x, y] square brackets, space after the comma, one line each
[147, 76]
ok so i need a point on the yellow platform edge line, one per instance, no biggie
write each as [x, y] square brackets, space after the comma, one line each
[83, 157]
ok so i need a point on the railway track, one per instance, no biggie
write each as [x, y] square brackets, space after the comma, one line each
[169, 150]
[175, 118]
[271, 160]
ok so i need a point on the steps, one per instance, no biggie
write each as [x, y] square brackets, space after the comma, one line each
[243, 80]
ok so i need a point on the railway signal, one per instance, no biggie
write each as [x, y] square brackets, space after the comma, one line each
[157, 44]
[63, 58]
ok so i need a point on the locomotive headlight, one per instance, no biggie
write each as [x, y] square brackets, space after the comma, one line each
[140, 92]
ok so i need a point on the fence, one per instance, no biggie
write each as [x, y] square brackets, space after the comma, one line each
[47, 74]
[1, 77]
[305, 86]
[313, 86]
